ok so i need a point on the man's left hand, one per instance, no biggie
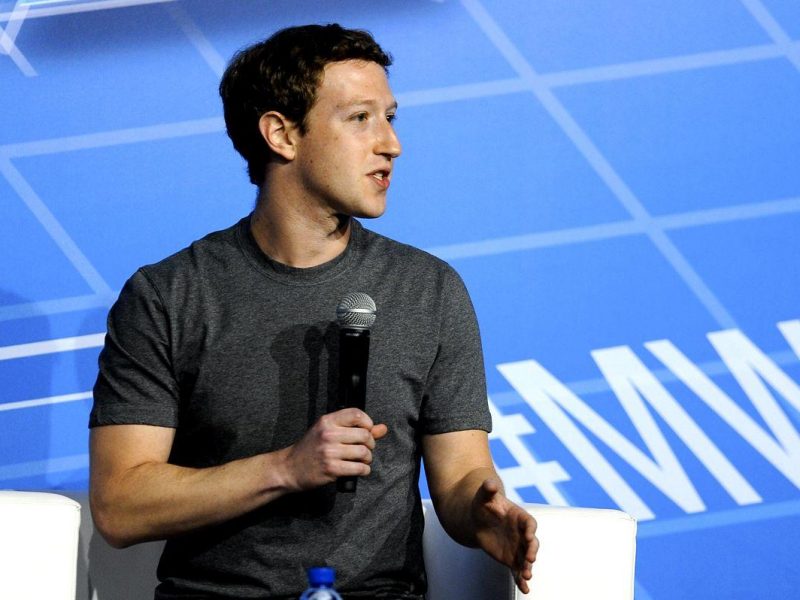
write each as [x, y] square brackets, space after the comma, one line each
[505, 531]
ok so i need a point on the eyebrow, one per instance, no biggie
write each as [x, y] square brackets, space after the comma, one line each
[365, 102]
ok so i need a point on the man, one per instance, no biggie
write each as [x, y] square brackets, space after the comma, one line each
[213, 424]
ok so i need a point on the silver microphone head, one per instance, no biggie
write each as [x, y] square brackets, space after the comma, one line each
[356, 310]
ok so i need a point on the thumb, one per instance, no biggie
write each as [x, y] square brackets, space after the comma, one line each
[488, 490]
[378, 431]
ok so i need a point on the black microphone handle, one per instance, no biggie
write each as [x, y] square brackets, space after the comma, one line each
[353, 359]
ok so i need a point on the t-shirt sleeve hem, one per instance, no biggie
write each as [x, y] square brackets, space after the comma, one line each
[457, 423]
[112, 417]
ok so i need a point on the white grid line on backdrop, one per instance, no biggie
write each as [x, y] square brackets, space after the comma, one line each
[8, 38]
[601, 165]
[774, 30]
[40, 9]
[54, 228]
[215, 61]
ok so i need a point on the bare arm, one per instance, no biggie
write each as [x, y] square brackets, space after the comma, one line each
[136, 495]
[470, 501]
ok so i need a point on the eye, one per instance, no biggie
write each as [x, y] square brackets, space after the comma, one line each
[360, 117]
[392, 117]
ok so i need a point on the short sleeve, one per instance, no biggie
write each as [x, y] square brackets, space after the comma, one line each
[136, 382]
[455, 396]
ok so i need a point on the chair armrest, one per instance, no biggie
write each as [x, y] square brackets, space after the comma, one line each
[38, 545]
[584, 553]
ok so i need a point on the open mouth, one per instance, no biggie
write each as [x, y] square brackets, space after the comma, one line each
[381, 177]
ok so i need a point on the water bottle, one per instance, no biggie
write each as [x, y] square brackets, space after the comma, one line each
[320, 584]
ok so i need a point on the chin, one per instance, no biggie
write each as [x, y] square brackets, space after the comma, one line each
[361, 208]
[369, 212]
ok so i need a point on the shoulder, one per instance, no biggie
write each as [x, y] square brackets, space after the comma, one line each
[405, 259]
[214, 249]
[183, 277]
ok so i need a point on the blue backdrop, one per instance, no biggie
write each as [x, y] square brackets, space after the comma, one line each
[617, 181]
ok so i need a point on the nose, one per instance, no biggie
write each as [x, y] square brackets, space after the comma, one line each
[388, 144]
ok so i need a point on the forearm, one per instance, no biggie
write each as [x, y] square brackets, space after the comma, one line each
[136, 495]
[156, 500]
[454, 507]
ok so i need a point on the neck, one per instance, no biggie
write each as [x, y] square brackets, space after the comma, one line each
[294, 234]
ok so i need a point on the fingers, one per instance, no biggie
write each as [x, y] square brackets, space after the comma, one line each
[526, 553]
[337, 458]
[347, 435]
[351, 468]
[352, 426]
[349, 417]
[530, 548]
[522, 583]
[524, 572]
[354, 452]
[527, 527]
[533, 545]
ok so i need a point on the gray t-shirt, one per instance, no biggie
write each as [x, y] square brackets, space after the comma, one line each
[239, 354]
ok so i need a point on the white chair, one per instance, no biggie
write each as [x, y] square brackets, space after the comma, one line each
[584, 554]
[38, 546]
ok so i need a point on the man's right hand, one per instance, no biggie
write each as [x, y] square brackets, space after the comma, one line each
[339, 444]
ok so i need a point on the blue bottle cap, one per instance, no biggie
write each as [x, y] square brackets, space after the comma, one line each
[319, 576]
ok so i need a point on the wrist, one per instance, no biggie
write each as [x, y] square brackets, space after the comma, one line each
[277, 473]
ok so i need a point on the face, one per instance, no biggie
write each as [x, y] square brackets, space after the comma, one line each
[345, 158]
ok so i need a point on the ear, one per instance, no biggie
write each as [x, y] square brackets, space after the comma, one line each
[279, 133]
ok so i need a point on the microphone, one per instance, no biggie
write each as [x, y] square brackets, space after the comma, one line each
[355, 315]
